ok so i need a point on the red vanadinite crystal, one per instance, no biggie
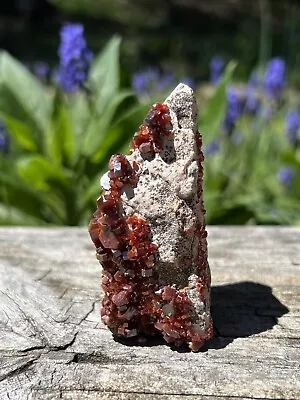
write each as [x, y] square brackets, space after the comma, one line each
[157, 123]
[133, 301]
[124, 245]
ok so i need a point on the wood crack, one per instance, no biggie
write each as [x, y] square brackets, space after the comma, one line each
[85, 317]
[254, 354]
[19, 370]
[64, 346]
[176, 394]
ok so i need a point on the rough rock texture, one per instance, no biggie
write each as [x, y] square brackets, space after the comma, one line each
[173, 295]
[169, 194]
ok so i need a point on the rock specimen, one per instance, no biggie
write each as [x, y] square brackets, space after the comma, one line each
[149, 230]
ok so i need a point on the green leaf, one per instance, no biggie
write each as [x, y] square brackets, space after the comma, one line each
[20, 132]
[99, 125]
[112, 144]
[59, 139]
[120, 133]
[13, 216]
[15, 192]
[21, 95]
[232, 216]
[211, 116]
[37, 171]
[91, 192]
[104, 76]
[79, 116]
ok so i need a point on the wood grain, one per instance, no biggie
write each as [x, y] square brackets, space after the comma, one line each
[53, 345]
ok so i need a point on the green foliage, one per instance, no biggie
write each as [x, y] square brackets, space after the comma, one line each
[211, 116]
[133, 13]
[60, 143]
[241, 185]
[24, 105]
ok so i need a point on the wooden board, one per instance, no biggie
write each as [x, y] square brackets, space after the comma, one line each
[53, 345]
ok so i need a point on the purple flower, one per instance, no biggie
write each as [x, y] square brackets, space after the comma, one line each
[233, 110]
[254, 80]
[216, 68]
[211, 148]
[138, 82]
[4, 145]
[151, 81]
[187, 80]
[274, 78]
[165, 80]
[145, 82]
[292, 124]
[286, 176]
[252, 102]
[41, 70]
[75, 57]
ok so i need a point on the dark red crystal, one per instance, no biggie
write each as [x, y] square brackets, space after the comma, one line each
[156, 124]
[133, 300]
[126, 253]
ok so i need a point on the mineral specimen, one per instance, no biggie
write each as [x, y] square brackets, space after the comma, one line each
[149, 230]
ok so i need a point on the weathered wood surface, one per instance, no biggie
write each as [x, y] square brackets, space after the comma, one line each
[53, 345]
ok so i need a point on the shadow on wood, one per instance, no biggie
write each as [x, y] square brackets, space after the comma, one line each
[242, 309]
[239, 310]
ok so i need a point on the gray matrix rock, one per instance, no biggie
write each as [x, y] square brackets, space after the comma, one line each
[158, 188]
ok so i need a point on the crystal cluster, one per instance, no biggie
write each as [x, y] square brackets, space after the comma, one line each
[151, 132]
[155, 275]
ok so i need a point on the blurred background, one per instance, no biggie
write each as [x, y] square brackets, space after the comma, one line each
[77, 78]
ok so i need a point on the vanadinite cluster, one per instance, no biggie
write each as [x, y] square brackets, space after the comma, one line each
[149, 230]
